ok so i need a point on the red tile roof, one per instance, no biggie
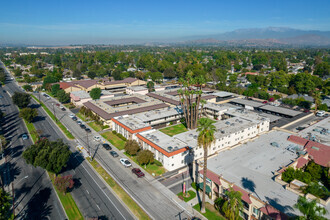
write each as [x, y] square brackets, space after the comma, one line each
[65, 85]
[245, 195]
[301, 162]
[212, 176]
[298, 140]
[320, 153]
[250, 73]
[273, 213]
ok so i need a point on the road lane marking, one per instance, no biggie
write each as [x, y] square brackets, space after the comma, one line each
[87, 191]
[98, 207]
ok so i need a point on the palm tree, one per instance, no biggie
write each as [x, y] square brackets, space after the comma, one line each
[310, 209]
[205, 138]
[233, 204]
[317, 100]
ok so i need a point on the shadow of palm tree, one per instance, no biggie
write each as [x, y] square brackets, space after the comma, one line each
[275, 203]
[37, 207]
[249, 185]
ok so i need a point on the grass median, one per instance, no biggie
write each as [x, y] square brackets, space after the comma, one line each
[62, 127]
[130, 203]
[32, 130]
[114, 140]
[70, 206]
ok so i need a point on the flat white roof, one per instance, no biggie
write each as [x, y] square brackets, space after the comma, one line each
[247, 102]
[280, 110]
[251, 166]
[223, 94]
[320, 131]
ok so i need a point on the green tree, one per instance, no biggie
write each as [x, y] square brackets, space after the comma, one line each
[95, 93]
[55, 88]
[50, 155]
[5, 204]
[62, 96]
[233, 204]
[150, 86]
[310, 209]
[48, 80]
[27, 87]
[317, 100]
[323, 107]
[91, 74]
[132, 147]
[3, 143]
[28, 114]
[76, 74]
[322, 69]
[205, 139]
[278, 79]
[21, 99]
[145, 157]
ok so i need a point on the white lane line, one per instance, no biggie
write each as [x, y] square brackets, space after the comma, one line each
[102, 190]
[98, 207]
[87, 191]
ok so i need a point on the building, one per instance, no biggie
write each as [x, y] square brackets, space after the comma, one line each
[78, 98]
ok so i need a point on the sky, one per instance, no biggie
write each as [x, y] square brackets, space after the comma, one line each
[64, 22]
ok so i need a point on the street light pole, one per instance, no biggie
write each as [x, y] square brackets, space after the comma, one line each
[54, 112]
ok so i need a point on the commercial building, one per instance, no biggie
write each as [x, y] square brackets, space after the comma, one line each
[78, 98]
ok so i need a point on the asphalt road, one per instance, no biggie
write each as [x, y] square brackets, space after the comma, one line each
[91, 195]
[142, 190]
[34, 195]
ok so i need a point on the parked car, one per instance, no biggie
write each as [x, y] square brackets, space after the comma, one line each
[106, 146]
[264, 102]
[83, 126]
[320, 113]
[125, 162]
[1, 96]
[79, 122]
[88, 130]
[97, 138]
[62, 108]
[25, 137]
[138, 172]
[300, 128]
[74, 118]
[71, 115]
[306, 110]
[114, 153]
[57, 105]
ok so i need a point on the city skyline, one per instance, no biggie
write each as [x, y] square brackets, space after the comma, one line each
[79, 22]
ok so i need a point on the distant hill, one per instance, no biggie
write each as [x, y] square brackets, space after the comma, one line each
[266, 37]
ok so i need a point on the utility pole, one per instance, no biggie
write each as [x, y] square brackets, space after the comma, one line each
[54, 111]
[89, 148]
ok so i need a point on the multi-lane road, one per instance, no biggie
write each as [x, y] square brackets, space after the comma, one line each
[93, 197]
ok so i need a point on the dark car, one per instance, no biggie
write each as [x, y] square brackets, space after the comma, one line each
[138, 172]
[106, 146]
[88, 130]
[83, 126]
[63, 109]
[114, 153]
[300, 128]
[74, 118]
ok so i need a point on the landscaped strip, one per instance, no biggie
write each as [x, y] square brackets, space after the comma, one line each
[70, 206]
[65, 131]
[187, 198]
[81, 116]
[95, 126]
[214, 214]
[114, 140]
[68, 203]
[130, 203]
[31, 130]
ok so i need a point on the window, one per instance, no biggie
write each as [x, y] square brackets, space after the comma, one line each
[181, 161]
[255, 212]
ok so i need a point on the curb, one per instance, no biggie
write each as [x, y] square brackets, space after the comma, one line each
[113, 192]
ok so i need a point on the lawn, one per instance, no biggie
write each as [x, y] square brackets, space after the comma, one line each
[192, 195]
[31, 130]
[114, 140]
[211, 212]
[81, 116]
[95, 126]
[65, 131]
[70, 206]
[173, 130]
[150, 168]
[135, 208]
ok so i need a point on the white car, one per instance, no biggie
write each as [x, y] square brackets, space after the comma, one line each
[125, 162]
[71, 115]
[97, 138]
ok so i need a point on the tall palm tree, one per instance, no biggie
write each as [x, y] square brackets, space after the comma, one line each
[205, 138]
[233, 204]
[317, 100]
[310, 209]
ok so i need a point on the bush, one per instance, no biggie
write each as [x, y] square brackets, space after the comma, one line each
[121, 137]
[291, 174]
[132, 147]
[105, 127]
[157, 163]
[323, 107]
[114, 132]
[145, 157]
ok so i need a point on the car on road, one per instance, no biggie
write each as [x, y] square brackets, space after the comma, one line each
[264, 102]
[114, 153]
[74, 118]
[62, 108]
[71, 115]
[125, 162]
[25, 137]
[300, 128]
[106, 146]
[138, 172]
[83, 126]
[57, 105]
[1, 96]
[97, 138]
[88, 130]
[79, 122]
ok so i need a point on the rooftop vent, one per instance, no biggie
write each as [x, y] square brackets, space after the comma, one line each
[170, 148]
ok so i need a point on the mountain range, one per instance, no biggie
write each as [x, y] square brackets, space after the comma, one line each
[271, 36]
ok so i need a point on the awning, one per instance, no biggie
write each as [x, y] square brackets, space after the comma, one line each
[207, 189]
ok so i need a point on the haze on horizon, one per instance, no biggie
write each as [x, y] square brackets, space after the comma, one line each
[61, 22]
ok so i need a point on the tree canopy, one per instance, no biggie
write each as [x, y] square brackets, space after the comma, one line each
[21, 99]
[28, 114]
[145, 157]
[132, 147]
[62, 96]
[50, 155]
[95, 93]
